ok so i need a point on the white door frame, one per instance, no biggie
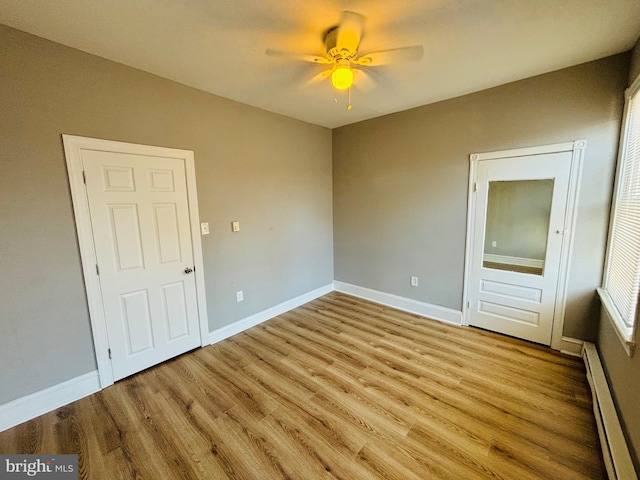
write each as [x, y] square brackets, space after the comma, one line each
[73, 147]
[577, 147]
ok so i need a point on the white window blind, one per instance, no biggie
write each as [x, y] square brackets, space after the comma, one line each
[622, 277]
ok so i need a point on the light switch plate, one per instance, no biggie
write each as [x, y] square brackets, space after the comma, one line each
[204, 228]
[235, 226]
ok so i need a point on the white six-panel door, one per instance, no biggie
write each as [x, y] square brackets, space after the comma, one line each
[140, 220]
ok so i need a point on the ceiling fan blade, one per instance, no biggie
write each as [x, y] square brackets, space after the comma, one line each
[363, 80]
[320, 77]
[303, 57]
[387, 57]
[349, 31]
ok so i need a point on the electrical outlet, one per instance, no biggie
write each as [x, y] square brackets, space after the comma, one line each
[235, 226]
[494, 244]
[239, 296]
[414, 281]
[204, 227]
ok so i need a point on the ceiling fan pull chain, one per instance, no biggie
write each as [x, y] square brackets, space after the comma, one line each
[349, 106]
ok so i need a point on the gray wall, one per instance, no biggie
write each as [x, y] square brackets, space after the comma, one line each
[634, 70]
[400, 182]
[623, 373]
[271, 173]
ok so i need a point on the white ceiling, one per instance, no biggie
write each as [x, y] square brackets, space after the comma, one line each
[219, 45]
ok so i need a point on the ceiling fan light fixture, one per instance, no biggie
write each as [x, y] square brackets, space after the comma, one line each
[341, 43]
[342, 77]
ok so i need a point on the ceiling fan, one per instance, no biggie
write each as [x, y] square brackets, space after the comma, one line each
[342, 57]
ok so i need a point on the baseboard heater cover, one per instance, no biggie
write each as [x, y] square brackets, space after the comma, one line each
[614, 446]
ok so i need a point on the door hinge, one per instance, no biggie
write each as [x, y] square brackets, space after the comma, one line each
[475, 186]
[97, 270]
[84, 177]
[109, 350]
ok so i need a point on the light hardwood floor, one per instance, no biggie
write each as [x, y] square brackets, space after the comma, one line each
[338, 388]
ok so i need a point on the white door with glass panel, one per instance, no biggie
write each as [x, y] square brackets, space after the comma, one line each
[141, 229]
[518, 229]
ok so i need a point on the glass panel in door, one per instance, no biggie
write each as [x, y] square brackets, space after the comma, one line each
[517, 225]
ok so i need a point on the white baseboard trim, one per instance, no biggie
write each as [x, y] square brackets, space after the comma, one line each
[508, 260]
[571, 346]
[31, 406]
[435, 312]
[615, 451]
[253, 320]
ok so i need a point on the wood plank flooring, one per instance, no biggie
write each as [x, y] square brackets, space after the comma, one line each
[338, 388]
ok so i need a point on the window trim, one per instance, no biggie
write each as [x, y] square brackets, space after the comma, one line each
[622, 331]
[625, 334]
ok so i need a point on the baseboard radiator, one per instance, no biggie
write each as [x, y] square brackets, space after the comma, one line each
[614, 447]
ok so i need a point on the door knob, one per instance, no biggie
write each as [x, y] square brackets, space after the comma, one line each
[188, 270]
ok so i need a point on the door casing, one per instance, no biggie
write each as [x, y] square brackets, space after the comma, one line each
[73, 147]
[577, 148]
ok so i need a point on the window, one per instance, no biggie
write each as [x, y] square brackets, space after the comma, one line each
[622, 271]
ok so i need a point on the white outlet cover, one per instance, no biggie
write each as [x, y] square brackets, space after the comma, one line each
[239, 296]
[235, 226]
[204, 228]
